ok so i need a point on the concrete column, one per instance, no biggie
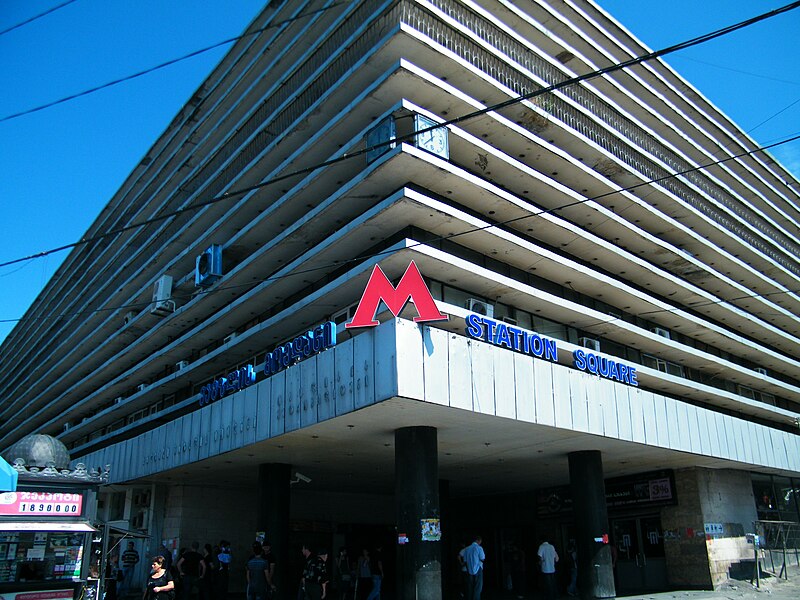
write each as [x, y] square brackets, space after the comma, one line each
[447, 548]
[273, 519]
[595, 571]
[158, 505]
[419, 564]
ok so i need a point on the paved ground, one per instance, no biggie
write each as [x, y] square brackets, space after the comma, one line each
[771, 588]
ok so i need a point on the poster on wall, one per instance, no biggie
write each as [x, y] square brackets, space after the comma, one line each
[431, 530]
[655, 488]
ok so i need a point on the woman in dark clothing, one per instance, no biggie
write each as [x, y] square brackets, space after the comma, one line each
[160, 585]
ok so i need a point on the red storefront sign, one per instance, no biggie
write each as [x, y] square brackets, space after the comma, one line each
[40, 503]
[411, 287]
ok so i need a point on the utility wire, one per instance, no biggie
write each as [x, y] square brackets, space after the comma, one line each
[164, 64]
[347, 156]
[363, 257]
[39, 16]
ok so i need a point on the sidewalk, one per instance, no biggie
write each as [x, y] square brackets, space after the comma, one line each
[736, 589]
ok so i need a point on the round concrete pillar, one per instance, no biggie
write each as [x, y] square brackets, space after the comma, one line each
[595, 571]
[419, 567]
[273, 520]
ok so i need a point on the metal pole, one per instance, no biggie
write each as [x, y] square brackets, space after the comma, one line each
[758, 566]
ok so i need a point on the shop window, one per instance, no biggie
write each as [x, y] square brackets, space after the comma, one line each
[785, 498]
[766, 505]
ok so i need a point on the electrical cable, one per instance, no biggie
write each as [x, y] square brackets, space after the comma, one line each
[363, 257]
[39, 16]
[749, 73]
[456, 120]
[163, 65]
[347, 156]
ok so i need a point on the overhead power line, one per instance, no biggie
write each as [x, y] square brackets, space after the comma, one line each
[457, 120]
[39, 16]
[363, 257]
[163, 65]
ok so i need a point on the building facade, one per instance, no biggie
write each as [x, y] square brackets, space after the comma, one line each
[617, 266]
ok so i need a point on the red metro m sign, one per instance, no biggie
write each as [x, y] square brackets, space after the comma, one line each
[379, 288]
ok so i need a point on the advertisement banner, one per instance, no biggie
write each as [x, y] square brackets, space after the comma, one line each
[40, 504]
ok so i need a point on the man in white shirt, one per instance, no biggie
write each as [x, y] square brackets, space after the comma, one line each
[548, 557]
[472, 558]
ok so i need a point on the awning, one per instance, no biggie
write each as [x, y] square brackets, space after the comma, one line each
[46, 526]
[8, 477]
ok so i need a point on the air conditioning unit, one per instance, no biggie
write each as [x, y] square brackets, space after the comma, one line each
[661, 332]
[480, 307]
[181, 365]
[141, 387]
[129, 316]
[118, 400]
[208, 266]
[229, 338]
[590, 343]
[761, 371]
[162, 296]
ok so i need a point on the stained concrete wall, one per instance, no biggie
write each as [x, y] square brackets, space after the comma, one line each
[210, 514]
[722, 499]
[727, 500]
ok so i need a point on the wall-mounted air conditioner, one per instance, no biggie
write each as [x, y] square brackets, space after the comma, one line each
[590, 343]
[181, 365]
[162, 296]
[129, 316]
[208, 266]
[661, 332]
[480, 307]
[761, 371]
[141, 387]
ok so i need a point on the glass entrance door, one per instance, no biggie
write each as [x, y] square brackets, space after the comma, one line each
[640, 564]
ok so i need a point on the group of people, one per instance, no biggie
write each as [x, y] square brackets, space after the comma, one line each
[472, 557]
[204, 574]
[199, 573]
[345, 579]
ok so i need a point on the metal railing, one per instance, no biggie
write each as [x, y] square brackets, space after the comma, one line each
[777, 541]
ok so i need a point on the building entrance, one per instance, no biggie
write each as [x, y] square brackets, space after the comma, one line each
[641, 565]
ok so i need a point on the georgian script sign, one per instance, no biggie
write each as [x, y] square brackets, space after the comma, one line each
[40, 503]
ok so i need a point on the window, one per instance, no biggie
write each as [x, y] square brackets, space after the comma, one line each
[662, 365]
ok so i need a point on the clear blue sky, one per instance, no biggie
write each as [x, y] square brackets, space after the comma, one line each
[60, 166]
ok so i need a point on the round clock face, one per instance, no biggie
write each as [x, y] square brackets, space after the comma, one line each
[438, 140]
[435, 141]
